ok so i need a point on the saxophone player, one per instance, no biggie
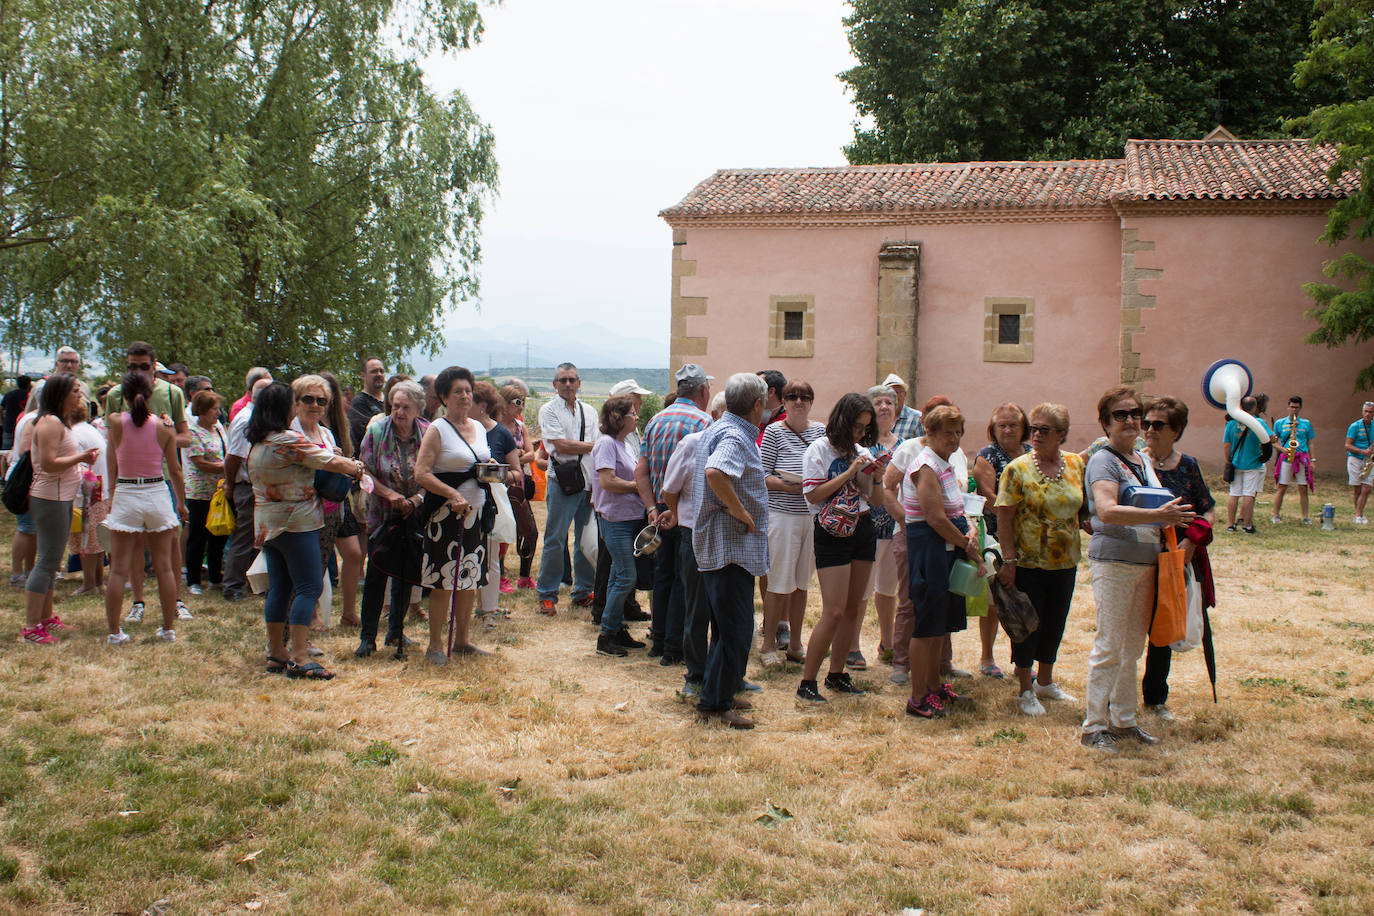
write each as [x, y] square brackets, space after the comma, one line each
[1359, 459]
[1295, 461]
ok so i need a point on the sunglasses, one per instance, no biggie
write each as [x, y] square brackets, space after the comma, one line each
[565, 381]
[1121, 416]
[1042, 430]
[1155, 426]
[798, 397]
[140, 367]
[320, 399]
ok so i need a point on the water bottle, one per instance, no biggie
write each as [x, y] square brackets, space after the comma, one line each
[1328, 517]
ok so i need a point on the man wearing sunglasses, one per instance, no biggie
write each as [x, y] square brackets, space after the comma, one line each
[1241, 447]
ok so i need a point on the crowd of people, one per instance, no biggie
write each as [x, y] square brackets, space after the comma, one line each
[418, 490]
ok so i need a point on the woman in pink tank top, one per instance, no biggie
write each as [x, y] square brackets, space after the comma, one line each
[142, 449]
[56, 478]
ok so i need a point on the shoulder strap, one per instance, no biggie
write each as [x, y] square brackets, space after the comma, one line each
[1144, 480]
[582, 418]
[454, 427]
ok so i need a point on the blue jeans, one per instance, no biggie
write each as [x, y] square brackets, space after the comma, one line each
[731, 594]
[696, 621]
[564, 510]
[620, 544]
[295, 577]
[666, 628]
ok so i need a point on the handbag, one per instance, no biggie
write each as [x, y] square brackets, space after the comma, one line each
[219, 520]
[569, 474]
[1228, 470]
[1169, 622]
[15, 494]
[840, 514]
[332, 485]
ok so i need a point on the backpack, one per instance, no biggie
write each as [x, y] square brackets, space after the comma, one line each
[15, 494]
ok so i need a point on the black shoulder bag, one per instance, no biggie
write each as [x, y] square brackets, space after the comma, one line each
[16, 492]
[1228, 470]
[569, 474]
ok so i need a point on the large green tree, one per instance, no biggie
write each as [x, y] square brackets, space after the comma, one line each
[237, 181]
[1343, 50]
[950, 80]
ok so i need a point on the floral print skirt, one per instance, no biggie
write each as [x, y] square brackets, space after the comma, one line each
[455, 553]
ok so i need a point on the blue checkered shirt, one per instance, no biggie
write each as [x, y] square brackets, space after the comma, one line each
[908, 424]
[718, 539]
[664, 432]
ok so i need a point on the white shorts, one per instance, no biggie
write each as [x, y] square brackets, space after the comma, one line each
[1247, 483]
[882, 578]
[1286, 475]
[139, 507]
[1352, 470]
[791, 554]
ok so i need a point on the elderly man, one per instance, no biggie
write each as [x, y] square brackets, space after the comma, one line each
[1359, 446]
[686, 415]
[908, 423]
[432, 404]
[250, 387]
[730, 540]
[241, 550]
[569, 428]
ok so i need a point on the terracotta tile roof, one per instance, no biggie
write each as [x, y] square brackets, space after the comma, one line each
[1152, 170]
[1235, 170]
[880, 188]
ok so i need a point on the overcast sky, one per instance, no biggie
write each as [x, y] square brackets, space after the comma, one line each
[607, 111]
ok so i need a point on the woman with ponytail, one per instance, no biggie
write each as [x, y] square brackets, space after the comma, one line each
[140, 446]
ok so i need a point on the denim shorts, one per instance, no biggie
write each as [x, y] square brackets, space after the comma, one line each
[26, 525]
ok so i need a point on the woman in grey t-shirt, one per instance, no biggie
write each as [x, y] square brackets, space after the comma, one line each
[1123, 557]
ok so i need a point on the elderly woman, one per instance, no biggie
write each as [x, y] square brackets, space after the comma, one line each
[204, 475]
[882, 580]
[56, 480]
[526, 529]
[791, 557]
[1037, 517]
[1165, 422]
[487, 409]
[287, 519]
[344, 526]
[933, 506]
[455, 551]
[389, 451]
[837, 479]
[1123, 558]
[620, 515]
[1008, 435]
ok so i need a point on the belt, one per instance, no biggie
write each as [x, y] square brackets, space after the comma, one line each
[138, 480]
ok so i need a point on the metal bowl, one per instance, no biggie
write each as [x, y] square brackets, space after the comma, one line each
[491, 472]
[647, 541]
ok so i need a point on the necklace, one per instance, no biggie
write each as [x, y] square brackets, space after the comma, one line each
[1059, 472]
[1159, 462]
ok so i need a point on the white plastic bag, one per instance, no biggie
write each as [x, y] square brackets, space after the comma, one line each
[1192, 634]
[257, 574]
[325, 606]
[503, 532]
[588, 543]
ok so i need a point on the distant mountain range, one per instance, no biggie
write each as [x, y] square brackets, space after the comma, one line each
[582, 344]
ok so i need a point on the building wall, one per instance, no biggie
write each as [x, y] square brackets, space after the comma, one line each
[1071, 272]
[1231, 286]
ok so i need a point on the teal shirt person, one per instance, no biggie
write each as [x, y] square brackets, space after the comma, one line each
[1245, 455]
[1359, 436]
[1304, 433]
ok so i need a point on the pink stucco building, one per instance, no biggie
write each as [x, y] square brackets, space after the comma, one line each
[1025, 281]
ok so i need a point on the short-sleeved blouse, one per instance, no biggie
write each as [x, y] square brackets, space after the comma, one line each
[951, 490]
[782, 449]
[283, 485]
[208, 444]
[1047, 534]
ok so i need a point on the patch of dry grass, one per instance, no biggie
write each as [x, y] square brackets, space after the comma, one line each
[550, 780]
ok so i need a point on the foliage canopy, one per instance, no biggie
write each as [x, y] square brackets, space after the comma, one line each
[239, 182]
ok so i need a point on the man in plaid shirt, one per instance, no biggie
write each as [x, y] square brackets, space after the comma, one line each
[730, 539]
[683, 417]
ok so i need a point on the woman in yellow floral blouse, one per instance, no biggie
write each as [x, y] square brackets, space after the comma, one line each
[1037, 507]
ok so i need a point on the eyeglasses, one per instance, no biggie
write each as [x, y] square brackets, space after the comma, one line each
[1155, 426]
[518, 402]
[799, 397]
[564, 381]
[1121, 416]
[314, 399]
[140, 367]
[1042, 430]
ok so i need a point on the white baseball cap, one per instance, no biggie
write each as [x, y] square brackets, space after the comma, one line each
[628, 386]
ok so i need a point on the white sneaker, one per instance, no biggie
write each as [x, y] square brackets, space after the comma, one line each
[118, 639]
[183, 612]
[135, 613]
[1053, 691]
[1030, 706]
[166, 635]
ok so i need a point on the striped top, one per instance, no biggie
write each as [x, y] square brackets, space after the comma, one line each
[951, 493]
[782, 450]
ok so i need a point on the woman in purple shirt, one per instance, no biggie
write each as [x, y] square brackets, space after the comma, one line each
[619, 513]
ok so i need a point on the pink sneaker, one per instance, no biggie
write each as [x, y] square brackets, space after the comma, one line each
[38, 635]
[506, 587]
[525, 582]
[55, 623]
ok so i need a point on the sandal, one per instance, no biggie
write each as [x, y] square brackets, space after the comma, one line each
[311, 671]
[799, 658]
[277, 665]
[990, 669]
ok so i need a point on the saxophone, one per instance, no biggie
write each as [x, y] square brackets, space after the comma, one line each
[1367, 466]
[1292, 448]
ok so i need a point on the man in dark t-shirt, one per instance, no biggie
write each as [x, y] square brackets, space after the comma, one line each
[368, 403]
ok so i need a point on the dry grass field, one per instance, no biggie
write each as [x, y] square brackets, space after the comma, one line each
[550, 780]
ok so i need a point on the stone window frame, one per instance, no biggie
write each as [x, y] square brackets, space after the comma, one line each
[993, 308]
[778, 345]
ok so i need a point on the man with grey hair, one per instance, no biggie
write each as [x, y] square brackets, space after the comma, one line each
[730, 540]
[908, 424]
[250, 382]
[432, 405]
[569, 428]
